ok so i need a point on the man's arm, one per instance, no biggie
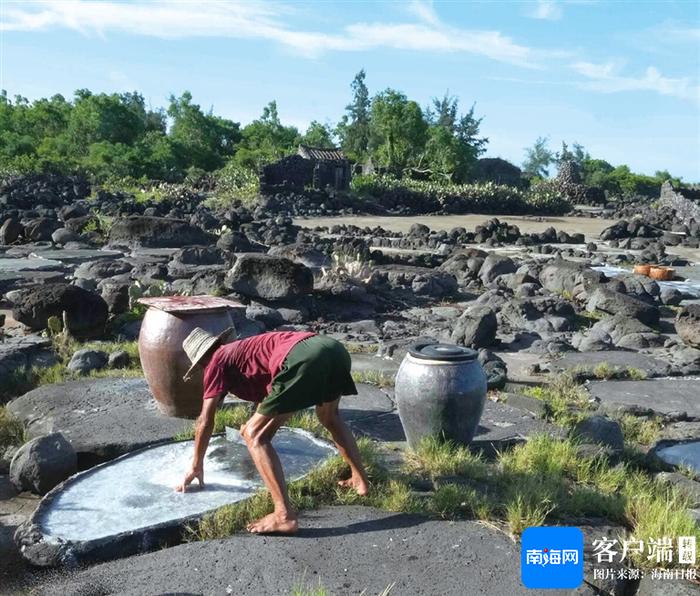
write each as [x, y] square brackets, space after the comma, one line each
[203, 431]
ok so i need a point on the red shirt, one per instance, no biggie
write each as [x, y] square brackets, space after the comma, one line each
[246, 367]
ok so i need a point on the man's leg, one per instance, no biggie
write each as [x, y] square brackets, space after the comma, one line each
[258, 433]
[345, 441]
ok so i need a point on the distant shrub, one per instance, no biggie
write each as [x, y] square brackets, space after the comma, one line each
[235, 182]
[426, 196]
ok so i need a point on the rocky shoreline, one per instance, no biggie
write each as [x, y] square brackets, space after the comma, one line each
[533, 304]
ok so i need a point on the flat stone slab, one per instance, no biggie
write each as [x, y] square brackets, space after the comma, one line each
[129, 505]
[369, 362]
[12, 280]
[101, 418]
[76, 255]
[660, 396]
[615, 358]
[518, 364]
[23, 344]
[384, 427]
[501, 426]
[348, 550]
[369, 401]
[18, 352]
[29, 264]
[153, 254]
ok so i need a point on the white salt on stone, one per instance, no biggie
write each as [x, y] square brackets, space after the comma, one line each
[137, 490]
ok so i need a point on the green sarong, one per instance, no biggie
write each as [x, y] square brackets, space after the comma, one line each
[316, 370]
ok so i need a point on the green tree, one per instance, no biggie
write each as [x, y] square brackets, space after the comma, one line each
[157, 157]
[538, 158]
[105, 160]
[354, 127]
[398, 131]
[578, 155]
[318, 135]
[665, 175]
[266, 140]
[200, 140]
[112, 118]
[25, 128]
[596, 172]
[454, 144]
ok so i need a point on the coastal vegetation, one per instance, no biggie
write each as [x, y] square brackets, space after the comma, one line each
[122, 143]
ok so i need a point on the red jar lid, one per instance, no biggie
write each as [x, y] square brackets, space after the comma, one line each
[189, 303]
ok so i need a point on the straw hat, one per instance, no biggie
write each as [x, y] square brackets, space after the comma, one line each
[198, 343]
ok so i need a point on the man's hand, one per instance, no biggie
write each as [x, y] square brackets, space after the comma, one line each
[202, 434]
[194, 472]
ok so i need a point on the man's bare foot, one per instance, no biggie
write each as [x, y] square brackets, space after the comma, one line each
[359, 484]
[274, 524]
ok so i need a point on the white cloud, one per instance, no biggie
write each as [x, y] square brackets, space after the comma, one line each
[549, 10]
[674, 32]
[424, 11]
[606, 78]
[254, 19]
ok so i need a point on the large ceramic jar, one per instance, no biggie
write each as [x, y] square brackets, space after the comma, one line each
[168, 321]
[440, 391]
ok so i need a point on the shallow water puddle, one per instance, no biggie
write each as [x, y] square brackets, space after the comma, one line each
[682, 454]
[137, 490]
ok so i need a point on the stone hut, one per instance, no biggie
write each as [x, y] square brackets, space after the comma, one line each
[311, 166]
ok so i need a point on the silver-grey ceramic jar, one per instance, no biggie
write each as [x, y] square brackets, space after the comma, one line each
[440, 390]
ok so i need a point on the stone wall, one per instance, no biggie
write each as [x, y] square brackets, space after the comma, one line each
[684, 201]
[294, 171]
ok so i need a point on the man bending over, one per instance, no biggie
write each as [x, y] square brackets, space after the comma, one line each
[283, 372]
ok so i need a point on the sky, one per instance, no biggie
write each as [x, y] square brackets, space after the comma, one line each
[620, 78]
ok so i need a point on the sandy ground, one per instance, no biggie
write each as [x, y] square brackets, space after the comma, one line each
[590, 226]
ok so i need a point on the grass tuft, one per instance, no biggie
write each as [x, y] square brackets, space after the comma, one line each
[544, 456]
[396, 496]
[565, 401]
[12, 432]
[641, 430]
[373, 377]
[455, 501]
[308, 421]
[520, 514]
[301, 588]
[653, 509]
[230, 519]
[636, 374]
[361, 348]
[606, 371]
[436, 457]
